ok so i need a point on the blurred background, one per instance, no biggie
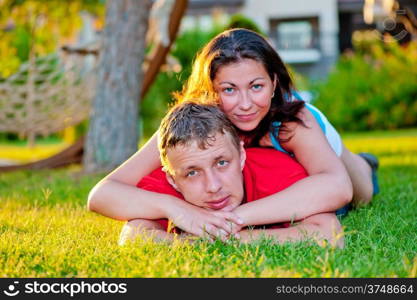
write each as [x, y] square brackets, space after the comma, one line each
[354, 59]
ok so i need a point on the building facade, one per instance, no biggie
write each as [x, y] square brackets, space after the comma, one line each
[309, 35]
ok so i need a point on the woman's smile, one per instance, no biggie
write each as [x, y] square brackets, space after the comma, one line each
[246, 117]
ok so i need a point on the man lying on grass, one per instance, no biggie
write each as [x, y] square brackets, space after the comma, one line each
[205, 164]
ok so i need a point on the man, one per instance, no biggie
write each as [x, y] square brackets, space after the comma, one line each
[206, 165]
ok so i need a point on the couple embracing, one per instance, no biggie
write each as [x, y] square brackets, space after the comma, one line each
[239, 149]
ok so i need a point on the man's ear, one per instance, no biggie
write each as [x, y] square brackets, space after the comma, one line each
[171, 180]
[242, 155]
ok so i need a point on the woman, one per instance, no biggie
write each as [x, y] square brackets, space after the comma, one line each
[245, 74]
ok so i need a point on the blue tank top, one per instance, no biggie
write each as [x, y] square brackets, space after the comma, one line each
[276, 124]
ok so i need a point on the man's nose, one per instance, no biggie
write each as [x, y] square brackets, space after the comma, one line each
[213, 182]
[245, 101]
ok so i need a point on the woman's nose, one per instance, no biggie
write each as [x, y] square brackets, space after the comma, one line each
[245, 101]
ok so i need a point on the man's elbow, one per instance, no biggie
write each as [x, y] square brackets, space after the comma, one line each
[335, 233]
[93, 199]
[330, 229]
[91, 202]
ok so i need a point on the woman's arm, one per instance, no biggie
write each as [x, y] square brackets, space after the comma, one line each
[116, 195]
[326, 189]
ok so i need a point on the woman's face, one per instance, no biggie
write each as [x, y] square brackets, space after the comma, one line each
[245, 91]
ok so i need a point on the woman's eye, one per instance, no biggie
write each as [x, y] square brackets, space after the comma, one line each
[228, 90]
[256, 87]
[223, 163]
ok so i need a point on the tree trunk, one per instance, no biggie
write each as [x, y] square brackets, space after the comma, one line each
[113, 130]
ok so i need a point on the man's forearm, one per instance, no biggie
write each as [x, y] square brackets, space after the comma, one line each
[318, 228]
[147, 229]
[281, 235]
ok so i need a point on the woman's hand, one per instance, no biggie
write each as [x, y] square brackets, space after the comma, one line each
[202, 222]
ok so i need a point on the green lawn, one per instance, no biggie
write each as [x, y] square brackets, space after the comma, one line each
[46, 231]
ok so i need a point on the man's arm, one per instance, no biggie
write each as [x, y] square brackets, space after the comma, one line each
[320, 227]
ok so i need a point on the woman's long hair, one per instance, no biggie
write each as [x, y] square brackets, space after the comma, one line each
[232, 46]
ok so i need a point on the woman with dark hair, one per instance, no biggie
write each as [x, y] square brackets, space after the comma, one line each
[242, 72]
[227, 60]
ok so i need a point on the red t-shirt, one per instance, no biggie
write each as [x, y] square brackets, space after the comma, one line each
[266, 172]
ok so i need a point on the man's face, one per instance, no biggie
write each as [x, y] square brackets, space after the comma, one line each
[210, 178]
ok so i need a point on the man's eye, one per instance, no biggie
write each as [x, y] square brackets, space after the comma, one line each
[191, 173]
[223, 163]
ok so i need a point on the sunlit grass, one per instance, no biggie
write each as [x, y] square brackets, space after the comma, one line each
[46, 231]
[383, 146]
[393, 150]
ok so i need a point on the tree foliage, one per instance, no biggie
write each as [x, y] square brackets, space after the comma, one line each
[39, 27]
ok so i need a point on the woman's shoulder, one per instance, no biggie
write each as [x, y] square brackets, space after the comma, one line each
[305, 116]
[289, 128]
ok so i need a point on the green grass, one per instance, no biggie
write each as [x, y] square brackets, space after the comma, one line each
[46, 231]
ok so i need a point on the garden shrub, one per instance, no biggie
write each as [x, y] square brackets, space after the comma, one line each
[374, 87]
[240, 21]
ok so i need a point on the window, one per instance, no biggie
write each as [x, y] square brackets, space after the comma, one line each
[296, 39]
[295, 35]
[299, 33]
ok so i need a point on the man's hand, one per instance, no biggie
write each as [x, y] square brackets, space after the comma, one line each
[202, 222]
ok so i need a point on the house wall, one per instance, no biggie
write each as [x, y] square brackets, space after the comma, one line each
[326, 11]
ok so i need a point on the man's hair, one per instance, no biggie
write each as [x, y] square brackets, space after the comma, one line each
[189, 122]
